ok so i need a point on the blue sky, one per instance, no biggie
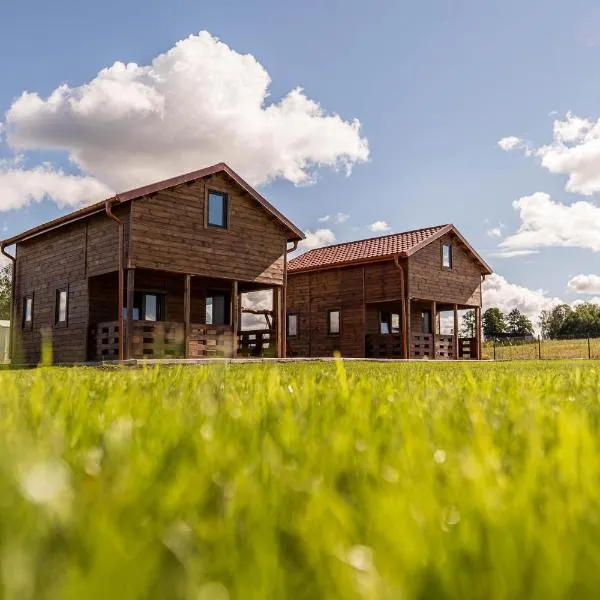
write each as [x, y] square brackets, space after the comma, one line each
[435, 85]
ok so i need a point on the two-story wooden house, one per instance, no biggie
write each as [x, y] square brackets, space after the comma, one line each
[154, 272]
[383, 297]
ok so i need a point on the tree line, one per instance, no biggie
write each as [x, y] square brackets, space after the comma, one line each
[563, 320]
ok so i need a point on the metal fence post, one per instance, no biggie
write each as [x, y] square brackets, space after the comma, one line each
[494, 346]
[539, 348]
[589, 347]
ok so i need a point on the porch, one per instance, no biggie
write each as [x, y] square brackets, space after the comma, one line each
[420, 329]
[168, 315]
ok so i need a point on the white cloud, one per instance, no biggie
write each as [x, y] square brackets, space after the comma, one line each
[510, 143]
[585, 284]
[316, 239]
[574, 151]
[545, 222]
[339, 218]
[198, 104]
[506, 296]
[513, 253]
[261, 300]
[495, 231]
[379, 226]
[21, 187]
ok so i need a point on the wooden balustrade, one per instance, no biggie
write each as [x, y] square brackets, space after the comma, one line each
[206, 341]
[378, 345]
[467, 348]
[157, 339]
[257, 342]
[444, 347]
[105, 341]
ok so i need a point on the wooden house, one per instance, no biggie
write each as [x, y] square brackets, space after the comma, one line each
[383, 297]
[151, 273]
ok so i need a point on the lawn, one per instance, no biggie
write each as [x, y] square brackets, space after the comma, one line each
[301, 481]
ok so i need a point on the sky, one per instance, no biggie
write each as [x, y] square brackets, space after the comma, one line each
[355, 119]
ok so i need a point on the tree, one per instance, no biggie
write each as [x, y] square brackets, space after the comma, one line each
[552, 321]
[467, 328]
[493, 322]
[5, 291]
[518, 323]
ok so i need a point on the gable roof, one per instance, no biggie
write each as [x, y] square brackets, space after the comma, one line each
[293, 231]
[378, 248]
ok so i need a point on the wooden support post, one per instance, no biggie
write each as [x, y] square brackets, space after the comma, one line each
[235, 313]
[478, 332]
[433, 325]
[456, 332]
[129, 319]
[408, 330]
[281, 323]
[187, 287]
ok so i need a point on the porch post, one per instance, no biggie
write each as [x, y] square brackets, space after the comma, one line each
[129, 322]
[478, 331]
[408, 331]
[186, 314]
[278, 320]
[235, 314]
[455, 341]
[433, 328]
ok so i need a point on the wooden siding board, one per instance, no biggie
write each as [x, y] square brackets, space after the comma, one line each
[168, 232]
[427, 279]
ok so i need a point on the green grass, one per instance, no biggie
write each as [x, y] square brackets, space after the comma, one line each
[301, 481]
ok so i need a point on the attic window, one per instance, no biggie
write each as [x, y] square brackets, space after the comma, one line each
[217, 209]
[446, 255]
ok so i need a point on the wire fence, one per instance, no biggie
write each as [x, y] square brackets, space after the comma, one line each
[537, 348]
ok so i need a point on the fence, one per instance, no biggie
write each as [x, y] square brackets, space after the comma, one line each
[537, 348]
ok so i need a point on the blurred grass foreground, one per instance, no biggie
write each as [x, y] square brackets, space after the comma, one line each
[301, 481]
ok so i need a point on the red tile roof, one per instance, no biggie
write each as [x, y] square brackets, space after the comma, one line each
[386, 246]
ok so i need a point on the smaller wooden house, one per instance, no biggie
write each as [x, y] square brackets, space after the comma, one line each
[383, 297]
[156, 272]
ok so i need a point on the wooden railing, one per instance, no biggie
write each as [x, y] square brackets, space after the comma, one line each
[421, 345]
[206, 341]
[162, 339]
[157, 339]
[379, 345]
[257, 342]
[467, 348]
[444, 347]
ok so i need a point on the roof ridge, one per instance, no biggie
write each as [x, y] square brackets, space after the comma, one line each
[375, 237]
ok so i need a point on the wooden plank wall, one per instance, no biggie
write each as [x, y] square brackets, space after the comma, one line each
[312, 294]
[428, 280]
[66, 256]
[168, 233]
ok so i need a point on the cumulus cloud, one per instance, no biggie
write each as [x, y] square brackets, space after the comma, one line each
[585, 284]
[379, 227]
[574, 151]
[510, 143]
[260, 300]
[495, 231]
[546, 222]
[197, 104]
[506, 296]
[338, 218]
[21, 187]
[316, 239]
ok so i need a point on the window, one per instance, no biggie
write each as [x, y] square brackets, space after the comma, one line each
[217, 308]
[446, 255]
[292, 325]
[149, 306]
[60, 306]
[389, 322]
[333, 322]
[217, 209]
[426, 320]
[28, 312]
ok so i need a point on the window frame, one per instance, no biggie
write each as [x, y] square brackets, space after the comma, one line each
[450, 255]
[292, 335]
[225, 215]
[227, 309]
[161, 306]
[28, 325]
[329, 313]
[57, 292]
[390, 322]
